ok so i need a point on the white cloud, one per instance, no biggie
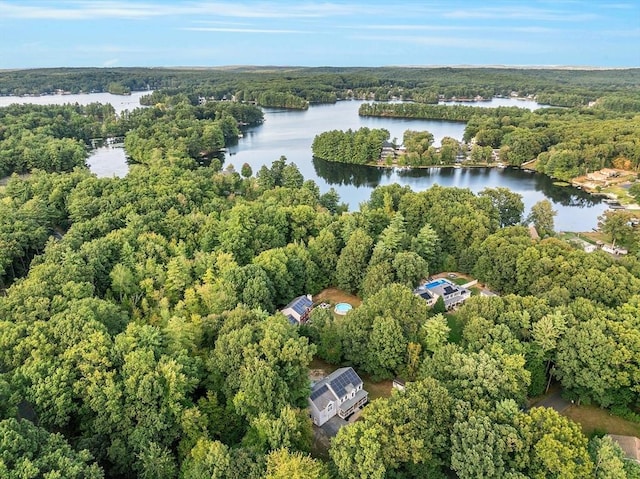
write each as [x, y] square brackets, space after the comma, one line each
[621, 6]
[520, 13]
[240, 30]
[110, 63]
[445, 28]
[88, 9]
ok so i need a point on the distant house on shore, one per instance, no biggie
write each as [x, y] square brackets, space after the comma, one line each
[585, 245]
[388, 150]
[297, 311]
[611, 249]
[341, 393]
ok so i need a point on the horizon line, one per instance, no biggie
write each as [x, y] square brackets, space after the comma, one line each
[236, 66]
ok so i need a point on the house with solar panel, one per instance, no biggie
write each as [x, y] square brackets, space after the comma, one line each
[297, 311]
[340, 393]
[451, 293]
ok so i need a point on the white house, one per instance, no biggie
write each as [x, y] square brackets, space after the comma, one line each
[451, 293]
[339, 393]
[614, 250]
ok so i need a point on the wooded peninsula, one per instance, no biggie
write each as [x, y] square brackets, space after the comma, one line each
[144, 324]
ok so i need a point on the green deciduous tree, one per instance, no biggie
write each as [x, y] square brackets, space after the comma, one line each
[481, 379]
[30, 451]
[351, 266]
[508, 204]
[541, 216]
[406, 433]
[284, 464]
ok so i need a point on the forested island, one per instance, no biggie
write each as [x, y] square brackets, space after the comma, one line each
[371, 147]
[565, 143]
[359, 147]
[140, 324]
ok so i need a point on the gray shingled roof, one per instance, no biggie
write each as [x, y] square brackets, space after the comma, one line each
[322, 396]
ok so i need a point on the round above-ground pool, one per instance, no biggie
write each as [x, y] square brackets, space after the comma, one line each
[342, 308]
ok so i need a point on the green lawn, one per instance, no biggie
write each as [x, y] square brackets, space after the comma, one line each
[594, 419]
[380, 389]
[455, 335]
[621, 193]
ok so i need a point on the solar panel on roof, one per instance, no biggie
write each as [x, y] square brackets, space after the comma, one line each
[340, 383]
[318, 392]
[301, 304]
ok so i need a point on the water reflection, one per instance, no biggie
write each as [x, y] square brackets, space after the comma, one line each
[344, 174]
[476, 179]
[290, 133]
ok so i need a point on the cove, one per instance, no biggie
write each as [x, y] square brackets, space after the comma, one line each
[290, 133]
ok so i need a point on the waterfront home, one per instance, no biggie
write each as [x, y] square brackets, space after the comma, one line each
[341, 393]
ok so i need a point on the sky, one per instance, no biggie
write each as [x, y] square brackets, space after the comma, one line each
[73, 33]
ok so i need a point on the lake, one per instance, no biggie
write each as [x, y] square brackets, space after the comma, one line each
[119, 102]
[291, 132]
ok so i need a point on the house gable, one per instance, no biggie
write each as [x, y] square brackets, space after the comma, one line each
[297, 311]
[339, 393]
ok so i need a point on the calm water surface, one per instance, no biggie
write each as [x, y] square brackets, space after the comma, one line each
[119, 102]
[291, 132]
[108, 161]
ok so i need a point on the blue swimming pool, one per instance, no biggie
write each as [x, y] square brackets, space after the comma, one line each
[342, 308]
[436, 282]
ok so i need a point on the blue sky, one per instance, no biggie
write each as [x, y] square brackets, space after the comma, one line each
[352, 33]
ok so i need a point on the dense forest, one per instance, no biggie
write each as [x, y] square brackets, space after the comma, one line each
[361, 147]
[145, 341]
[296, 87]
[51, 138]
[140, 334]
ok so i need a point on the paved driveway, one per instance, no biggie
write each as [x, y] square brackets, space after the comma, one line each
[555, 401]
[332, 426]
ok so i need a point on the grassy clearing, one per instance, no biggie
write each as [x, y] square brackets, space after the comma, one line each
[380, 389]
[593, 236]
[594, 419]
[455, 325]
[621, 194]
[589, 236]
[459, 281]
[335, 295]
[319, 364]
